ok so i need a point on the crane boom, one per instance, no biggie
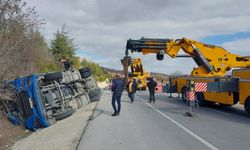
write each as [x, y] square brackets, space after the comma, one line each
[211, 60]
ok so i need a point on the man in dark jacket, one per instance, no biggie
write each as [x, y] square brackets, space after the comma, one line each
[66, 64]
[131, 89]
[151, 87]
[117, 89]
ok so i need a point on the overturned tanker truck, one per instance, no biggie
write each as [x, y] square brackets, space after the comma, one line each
[40, 100]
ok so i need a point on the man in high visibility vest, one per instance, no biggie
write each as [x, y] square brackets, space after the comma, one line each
[131, 89]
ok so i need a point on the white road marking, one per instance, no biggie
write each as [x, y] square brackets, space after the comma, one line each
[182, 127]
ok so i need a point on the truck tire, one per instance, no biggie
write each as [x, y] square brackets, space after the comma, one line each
[61, 115]
[183, 94]
[94, 95]
[53, 76]
[84, 70]
[247, 105]
[200, 98]
[86, 74]
[236, 97]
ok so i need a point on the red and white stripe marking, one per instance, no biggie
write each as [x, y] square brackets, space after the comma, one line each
[200, 87]
[190, 95]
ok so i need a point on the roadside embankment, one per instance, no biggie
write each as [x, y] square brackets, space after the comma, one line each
[63, 135]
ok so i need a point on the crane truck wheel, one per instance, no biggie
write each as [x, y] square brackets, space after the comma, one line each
[183, 94]
[247, 105]
[53, 76]
[200, 98]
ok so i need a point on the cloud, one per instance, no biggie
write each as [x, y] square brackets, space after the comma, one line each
[101, 28]
[241, 47]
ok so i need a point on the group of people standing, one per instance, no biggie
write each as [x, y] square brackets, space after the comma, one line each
[118, 85]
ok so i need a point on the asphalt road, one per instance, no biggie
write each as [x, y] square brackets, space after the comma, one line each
[162, 126]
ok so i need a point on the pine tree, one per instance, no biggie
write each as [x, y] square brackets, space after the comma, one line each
[62, 47]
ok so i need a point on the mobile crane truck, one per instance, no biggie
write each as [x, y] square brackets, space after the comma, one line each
[137, 71]
[238, 84]
[213, 62]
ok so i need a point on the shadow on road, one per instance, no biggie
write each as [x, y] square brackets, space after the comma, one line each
[125, 101]
[231, 110]
[176, 106]
[98, 112]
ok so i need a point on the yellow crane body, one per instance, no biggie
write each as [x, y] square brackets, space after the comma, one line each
[212, 63]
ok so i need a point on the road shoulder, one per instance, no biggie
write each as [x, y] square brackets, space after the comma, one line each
[65, 134]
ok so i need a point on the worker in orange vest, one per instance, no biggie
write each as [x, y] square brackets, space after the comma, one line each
[131, 89]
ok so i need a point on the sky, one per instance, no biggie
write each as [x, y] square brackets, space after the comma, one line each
[101, 28]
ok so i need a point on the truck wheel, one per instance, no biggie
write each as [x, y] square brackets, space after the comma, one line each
[86, 74]
[236, 97]
[247, 105]
[94, 95]
[183, 94]
[61, 115]
[84, 70]
[200, 98]
[53, 76]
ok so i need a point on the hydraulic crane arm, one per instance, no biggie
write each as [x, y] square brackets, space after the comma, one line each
[211, 60]
[134, 64]
[137, 69]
